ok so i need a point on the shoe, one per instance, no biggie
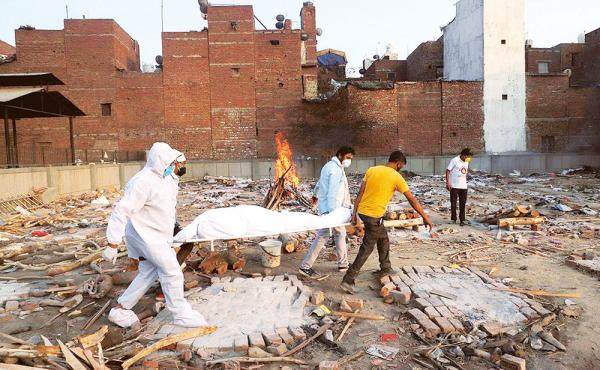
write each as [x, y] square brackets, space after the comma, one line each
[122, 317]
[310, 273]
[342, 268]
[453, 221]
[348, 288]
[462, 223]
[192, 319]
[385, 272]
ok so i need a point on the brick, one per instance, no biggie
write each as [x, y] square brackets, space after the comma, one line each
[277, 349]
[285, 335]
[298, 334]
[11, 306]
[354, 303]
[509, 362]
[329, 365]
[435, 301]
[494, 328]
[537, 307]
[256, 340]
[240, 343]
[529, 313]
[444, 311]
[431, 312]
[443, 323]
[272, 338]
[422, 303]
[430, 328]
[401, 296]
[457, 324]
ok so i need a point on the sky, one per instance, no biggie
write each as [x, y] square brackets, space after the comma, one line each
[360, 28]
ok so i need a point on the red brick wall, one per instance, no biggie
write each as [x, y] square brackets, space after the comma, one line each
[232, 80]
[592, 58]
[380, 69]
[535, 55]
[424, 61]
[462, 116]
[187, 92]
[6, 49]
[568, 114]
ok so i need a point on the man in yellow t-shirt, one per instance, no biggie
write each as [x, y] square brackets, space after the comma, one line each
[376, 191]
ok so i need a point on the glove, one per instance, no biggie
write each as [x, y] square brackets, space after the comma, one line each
[110, 254]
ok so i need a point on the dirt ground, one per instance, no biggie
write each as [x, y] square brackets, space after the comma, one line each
[541, 267]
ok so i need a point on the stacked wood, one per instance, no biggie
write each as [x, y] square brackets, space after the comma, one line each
[220, 262]
[518, 211]
[407, 214]
[281, 191]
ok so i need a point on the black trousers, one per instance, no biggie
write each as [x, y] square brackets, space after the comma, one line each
[375, 233]
[461, 196]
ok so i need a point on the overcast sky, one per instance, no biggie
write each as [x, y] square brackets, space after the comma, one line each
[360, 28]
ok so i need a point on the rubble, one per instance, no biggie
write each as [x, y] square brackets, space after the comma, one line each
[52, 278]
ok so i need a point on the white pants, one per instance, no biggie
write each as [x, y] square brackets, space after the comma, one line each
[161, 262]
[320, 239]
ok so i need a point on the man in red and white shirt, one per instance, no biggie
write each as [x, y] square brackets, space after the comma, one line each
[456, 183]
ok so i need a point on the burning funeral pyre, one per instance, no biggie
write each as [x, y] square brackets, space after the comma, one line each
[286, 180]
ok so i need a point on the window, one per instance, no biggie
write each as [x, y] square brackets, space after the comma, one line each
[548, 143]
[543, 67]
[106, 109]
[504, 96]
[274, 42]
[235, 72]
[503, 42]
[391, 76]
[439, 72]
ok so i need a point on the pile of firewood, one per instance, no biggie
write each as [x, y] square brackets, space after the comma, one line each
[282, 191]
[519, 215]
[407, 214]
[221, 261]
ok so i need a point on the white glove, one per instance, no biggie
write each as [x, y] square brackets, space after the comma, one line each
[110, 254]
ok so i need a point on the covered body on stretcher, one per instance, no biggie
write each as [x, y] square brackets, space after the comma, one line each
[249, 221]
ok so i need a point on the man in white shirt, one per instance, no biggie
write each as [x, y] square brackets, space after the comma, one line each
[456, 183]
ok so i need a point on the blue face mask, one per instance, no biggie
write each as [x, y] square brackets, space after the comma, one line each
[169, 171]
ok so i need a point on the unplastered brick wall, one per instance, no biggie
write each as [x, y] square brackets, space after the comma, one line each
[559, 117]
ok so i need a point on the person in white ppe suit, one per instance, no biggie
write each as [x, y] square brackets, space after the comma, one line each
[331, 192]
[145, 217]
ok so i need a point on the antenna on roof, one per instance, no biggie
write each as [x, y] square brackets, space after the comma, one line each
[162, 16]
[67, 9]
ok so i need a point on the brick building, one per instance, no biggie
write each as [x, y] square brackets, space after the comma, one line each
[386, 69]
[223, 92]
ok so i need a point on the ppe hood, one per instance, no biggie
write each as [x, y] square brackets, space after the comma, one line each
[161, 156]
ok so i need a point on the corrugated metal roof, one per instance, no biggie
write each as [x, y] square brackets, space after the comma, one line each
[13, 92]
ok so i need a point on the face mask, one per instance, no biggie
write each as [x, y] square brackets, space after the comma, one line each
[169, 170]
[181, 171]
[346, 163]
[468, 160]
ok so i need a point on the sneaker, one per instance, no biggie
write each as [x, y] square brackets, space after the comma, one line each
[310, 273]
[342, 268]
[348, 288]
[122, 317]
[385, 272]
[462, 223]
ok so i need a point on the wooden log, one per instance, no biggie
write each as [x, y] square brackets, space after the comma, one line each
[392, 215]
[404, 223]
[289, 243]
[358, 315]
[72, 266]
[522, 209]
[533, 213]
[172, 339]
[213, 262]
[257, 360]
[234, 262]
[70, 357]
[402, 216]
[504, 222]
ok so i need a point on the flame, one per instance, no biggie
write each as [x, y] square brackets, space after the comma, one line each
[284, 161]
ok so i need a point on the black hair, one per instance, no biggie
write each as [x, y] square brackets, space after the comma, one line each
[397, 156]
[466, 152]
[342, 151]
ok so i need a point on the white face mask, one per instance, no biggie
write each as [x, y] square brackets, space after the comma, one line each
[346, 163]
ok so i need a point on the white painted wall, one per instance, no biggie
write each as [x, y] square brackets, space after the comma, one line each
[504, 73]
[473, 52]
[463, 43]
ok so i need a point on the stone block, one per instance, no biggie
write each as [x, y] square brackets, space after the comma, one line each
[272, 338]
[297, 333]
[11, 306]
[422, 303]
[509, 362]
[529, 312]
[457, 324]
[285, 335]
[444, 311]
[277, 349]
